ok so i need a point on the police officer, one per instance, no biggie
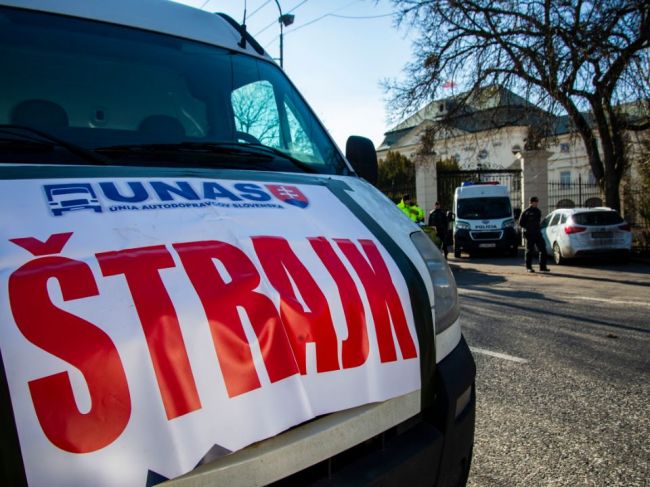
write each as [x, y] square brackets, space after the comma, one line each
[411, 209]
[530, 221]
[438, 220]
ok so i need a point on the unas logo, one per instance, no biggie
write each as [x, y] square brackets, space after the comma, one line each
[71, 197]
[157, 195]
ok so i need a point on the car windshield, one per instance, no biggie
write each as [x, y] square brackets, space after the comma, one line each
[137, 97]
[597, 218]
[483, 208]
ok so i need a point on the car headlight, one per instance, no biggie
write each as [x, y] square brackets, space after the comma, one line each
[508, 223]
[460, 225]
[445, 292]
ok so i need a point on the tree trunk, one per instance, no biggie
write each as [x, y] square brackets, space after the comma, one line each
[611, 188]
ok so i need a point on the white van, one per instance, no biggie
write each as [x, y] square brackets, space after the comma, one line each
[483, 219]
[231, 302]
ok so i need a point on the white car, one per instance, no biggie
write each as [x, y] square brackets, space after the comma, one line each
[581, 232]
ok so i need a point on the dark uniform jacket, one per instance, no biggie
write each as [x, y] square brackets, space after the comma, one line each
[530, 221]
[438, 219]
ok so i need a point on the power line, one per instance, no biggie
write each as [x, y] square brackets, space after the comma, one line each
[337, 16]
[275, 21]
[259, 8]
[249, 16]
[352, 17]
[362, 16]
[311, 22]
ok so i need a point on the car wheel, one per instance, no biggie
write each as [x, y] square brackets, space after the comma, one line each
[457, 253]
[557, 254]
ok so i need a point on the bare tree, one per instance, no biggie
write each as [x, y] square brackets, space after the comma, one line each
[587, 59]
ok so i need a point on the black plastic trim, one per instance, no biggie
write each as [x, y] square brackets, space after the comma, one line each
[12, 468]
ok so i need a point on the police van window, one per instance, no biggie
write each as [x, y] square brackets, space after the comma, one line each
[555, 219]
[123, 92]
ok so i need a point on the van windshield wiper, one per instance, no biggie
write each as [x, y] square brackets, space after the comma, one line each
[11, 136]
[277, 152]
[259, 152]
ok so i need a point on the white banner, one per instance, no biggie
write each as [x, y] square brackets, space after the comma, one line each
[144, 321]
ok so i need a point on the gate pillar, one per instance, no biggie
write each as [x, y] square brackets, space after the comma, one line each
[426, 184]
[534, 170]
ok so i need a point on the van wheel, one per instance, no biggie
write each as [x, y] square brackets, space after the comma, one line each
[557, 254]
[457, 253]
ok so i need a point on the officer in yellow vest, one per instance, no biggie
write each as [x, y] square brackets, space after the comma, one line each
[410, 209]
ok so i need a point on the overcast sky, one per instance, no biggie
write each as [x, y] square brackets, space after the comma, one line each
[336, 62]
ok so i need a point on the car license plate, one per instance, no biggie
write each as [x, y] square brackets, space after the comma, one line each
[487, 245]
[602, 234]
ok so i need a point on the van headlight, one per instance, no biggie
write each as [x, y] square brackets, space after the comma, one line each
[462, 225]
[445, 293]
[508, 223]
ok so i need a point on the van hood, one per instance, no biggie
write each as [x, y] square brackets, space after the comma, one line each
[150, 312]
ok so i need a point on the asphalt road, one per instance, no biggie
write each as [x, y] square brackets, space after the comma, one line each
[563, 372]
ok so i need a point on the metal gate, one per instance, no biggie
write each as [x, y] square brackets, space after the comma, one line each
[448, 181]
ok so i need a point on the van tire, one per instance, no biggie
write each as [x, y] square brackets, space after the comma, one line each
[557, 255]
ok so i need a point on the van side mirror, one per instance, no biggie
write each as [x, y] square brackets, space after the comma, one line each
[360, 151]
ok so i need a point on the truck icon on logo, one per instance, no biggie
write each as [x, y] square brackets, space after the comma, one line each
[71, 197]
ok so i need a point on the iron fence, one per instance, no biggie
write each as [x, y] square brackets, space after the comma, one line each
[396, 191]
[579, 194]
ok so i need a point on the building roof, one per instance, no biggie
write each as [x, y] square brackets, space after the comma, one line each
[496, 107]
[490, 108]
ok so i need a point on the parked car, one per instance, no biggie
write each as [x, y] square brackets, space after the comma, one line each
[581, 232]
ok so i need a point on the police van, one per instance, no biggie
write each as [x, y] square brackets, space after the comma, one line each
[483, 219]
[196, 286]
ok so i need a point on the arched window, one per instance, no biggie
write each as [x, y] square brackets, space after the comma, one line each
[593, 202]
[565, 203]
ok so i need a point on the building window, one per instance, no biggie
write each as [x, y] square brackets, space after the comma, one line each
[564, 147]
[565, 178]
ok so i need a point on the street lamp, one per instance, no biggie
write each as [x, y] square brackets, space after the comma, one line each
[285, 20]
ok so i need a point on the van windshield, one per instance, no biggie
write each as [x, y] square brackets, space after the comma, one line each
[136, 97]
[483, 208]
